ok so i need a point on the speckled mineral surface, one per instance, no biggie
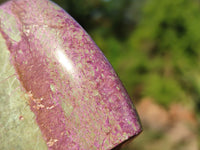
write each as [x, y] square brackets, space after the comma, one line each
[57, 90]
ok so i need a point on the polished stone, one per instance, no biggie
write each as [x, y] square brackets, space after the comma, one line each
[76, 98]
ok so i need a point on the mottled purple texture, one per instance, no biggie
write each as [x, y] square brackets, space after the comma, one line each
[77, 98]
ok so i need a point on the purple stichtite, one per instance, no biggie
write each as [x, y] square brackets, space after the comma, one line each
[78, 101]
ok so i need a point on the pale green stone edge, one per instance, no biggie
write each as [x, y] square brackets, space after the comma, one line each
[18, 128]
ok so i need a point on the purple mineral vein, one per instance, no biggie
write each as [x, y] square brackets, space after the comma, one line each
[77, 98]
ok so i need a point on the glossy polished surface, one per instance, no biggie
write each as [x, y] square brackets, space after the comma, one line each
[76, 97]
